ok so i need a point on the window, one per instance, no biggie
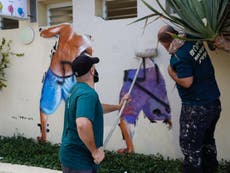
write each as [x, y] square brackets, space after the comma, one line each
[6, 23]
[116, 9]
[52, 12]
[60, 14]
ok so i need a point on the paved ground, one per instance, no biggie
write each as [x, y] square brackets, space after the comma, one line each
[12, 168]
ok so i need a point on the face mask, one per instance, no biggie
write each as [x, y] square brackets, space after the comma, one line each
[95, 76]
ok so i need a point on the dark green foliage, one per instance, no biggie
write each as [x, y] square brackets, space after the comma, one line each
[139, 163]
[20, 150]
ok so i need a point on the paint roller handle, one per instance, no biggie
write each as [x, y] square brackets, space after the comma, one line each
[148, 53]
[116, 122]
[135, 77]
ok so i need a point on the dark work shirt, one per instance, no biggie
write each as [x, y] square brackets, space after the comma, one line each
[193, 60]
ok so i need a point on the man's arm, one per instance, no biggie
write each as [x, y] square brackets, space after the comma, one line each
[56, 30]
[110, 108]
[107, 108]
[86, 134]
[184, 82]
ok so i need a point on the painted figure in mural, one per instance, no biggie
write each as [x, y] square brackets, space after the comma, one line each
[82, 139]
[59, 78]
[191, 68]
[148, 95]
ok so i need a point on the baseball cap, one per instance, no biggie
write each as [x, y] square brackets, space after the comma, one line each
[82, 64]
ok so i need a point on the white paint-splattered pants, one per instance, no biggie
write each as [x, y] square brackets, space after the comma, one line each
[197, 126]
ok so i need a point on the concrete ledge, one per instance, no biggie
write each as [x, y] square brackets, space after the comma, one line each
[13, 168]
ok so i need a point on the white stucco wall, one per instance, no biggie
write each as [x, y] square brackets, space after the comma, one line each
[115, 43]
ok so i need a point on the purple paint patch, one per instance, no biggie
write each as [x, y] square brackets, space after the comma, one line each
[148, 94]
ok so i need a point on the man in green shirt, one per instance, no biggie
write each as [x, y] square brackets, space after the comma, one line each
[82, 139]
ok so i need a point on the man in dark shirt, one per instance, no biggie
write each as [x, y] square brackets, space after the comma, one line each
[191, 68]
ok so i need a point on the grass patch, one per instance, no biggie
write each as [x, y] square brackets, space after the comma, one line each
[24, 151]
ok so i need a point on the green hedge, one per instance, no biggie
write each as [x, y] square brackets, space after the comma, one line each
[20, 150]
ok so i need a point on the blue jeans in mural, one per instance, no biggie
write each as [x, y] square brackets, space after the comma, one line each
[197, 126]
[55, 88]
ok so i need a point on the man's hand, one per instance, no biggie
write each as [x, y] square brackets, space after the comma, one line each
[185, 82]
[171, 72]
[221, 43]
[98, 155]
[127, 98]
[110, 108]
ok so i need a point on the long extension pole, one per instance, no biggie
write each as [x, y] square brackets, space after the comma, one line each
[148, 53]
[123, 106]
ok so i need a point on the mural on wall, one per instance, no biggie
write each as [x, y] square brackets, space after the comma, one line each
[13, 9]
[59, 79]
[148, 95]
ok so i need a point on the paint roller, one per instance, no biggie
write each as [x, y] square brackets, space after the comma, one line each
[147, 53]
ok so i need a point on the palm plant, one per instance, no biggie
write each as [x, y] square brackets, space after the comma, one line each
[208, 20]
